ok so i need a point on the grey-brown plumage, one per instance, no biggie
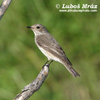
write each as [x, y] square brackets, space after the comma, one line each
[50, 47]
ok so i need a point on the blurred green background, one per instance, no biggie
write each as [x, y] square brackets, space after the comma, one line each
[21, 60]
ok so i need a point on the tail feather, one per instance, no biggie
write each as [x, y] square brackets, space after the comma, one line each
[71, 69]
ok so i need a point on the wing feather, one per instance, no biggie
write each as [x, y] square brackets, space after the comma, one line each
[51, 45]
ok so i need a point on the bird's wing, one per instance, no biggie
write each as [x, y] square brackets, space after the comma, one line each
[51, 45]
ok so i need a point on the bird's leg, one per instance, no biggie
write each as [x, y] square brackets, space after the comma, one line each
[45, 63]
[50, 62]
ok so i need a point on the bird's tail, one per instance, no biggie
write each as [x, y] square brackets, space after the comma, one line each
[71, 69]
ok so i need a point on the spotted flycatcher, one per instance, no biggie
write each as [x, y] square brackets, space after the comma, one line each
[50, 47]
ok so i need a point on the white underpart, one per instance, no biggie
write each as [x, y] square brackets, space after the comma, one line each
[48, 54]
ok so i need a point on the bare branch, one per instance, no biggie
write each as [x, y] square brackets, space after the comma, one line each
[35, 85]
[4, 7]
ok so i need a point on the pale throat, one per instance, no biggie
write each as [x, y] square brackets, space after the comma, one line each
[36, 32]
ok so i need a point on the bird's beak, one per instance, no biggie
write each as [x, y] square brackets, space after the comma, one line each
[29, 27]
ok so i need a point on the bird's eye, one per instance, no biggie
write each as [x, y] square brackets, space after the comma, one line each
[37, 27]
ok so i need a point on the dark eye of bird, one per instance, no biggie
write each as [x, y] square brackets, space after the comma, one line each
[38, 27]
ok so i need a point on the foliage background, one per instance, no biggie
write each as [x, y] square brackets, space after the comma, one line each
[21, 60]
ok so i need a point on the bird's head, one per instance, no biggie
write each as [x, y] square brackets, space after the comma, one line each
[38, 29]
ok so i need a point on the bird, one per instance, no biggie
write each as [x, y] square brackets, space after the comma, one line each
[51, 48]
